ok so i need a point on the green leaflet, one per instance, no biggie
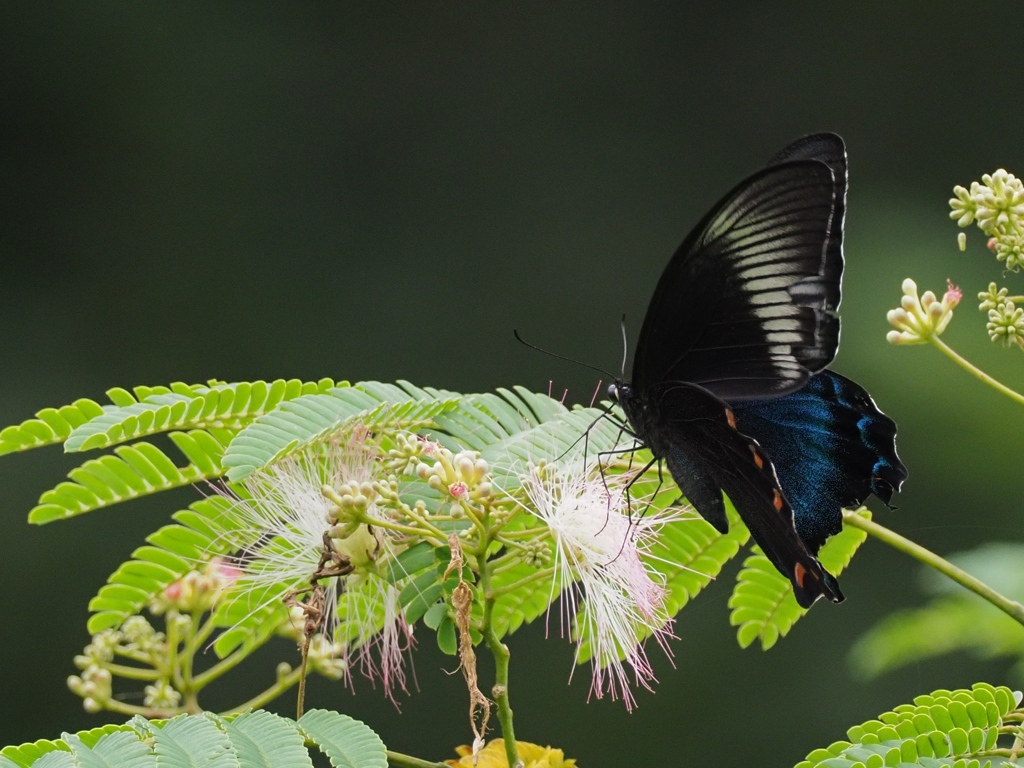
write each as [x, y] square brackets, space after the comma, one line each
[945, 728]
[265, 740]
[257, 739]
[28, 754]
[173, 551]
[116, 750]
[763, 605]
[186, 741]
[137, 470]
[311, 418]
[226, 406]
[347, 742]
[51, 426]
[525, 603]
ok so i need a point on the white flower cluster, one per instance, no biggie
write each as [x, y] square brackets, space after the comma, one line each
[996, 204]
[919, 318]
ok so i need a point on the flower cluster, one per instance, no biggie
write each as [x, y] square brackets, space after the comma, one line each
[918, 319]
[1005, 318]
[329, 503]
[615, 599]
[138, 642]
[996, 205]
[197, 590]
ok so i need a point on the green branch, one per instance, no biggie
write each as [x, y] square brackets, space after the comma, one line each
[283, 684]
[501, 656]
[974, 370]
[542, 573]
[1011, 608]
[399, 760]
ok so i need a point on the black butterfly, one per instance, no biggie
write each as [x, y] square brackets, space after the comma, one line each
[729, 387]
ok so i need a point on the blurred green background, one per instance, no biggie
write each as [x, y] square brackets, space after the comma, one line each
[254, 190]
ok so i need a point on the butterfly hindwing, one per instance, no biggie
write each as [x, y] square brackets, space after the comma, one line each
[832, 448]
[706, 454]
[742, 308]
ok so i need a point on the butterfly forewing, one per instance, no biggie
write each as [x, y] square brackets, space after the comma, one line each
[735, 310]
[824, 291]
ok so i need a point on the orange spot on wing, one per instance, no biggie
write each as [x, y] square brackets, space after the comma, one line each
[730, 417]
[757, 457]
[777, 501]
[798, 573]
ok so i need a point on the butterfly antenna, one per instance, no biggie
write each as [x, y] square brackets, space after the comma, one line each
[561, 357]
[625, 346]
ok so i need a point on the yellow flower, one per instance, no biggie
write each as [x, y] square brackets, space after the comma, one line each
[493, 756]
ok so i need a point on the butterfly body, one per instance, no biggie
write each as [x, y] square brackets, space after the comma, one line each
[728, 386]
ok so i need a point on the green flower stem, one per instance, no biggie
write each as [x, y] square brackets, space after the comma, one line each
[407, 529]
[173, 640]
[399, 760]
[199, 638]
[1011, 608]
[150, 713]
[543, 573]
[523, 533]
[228, 662]
[1018, 743]
[975, 371]
[271, 693]
[501, 656]
[423, 522]
[135, 655]
[132, 673]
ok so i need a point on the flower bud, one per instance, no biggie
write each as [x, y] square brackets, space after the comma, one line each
[917, 319]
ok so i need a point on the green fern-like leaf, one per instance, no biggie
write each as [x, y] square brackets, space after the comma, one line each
[558, 437]
[960, 729]
[308, 419]
[137, 470]
[173, 551]
[184, 407]
[264, 740]
[525, 603]
[57, 759]
[252, 740]
[690, 553]
[49, 427]
[116, 750]
[250, 617]
[763, 604]
[186, 741]
[347, 742]
[26, 754]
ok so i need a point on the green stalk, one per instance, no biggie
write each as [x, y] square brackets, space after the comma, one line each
[399, 760]
[206, 677]
[271, 693]
[131, 673]
[974, 370]
[542, 573]
[1011, 608]
[501, 656]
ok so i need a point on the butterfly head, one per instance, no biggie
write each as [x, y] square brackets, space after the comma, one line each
[620, 391]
